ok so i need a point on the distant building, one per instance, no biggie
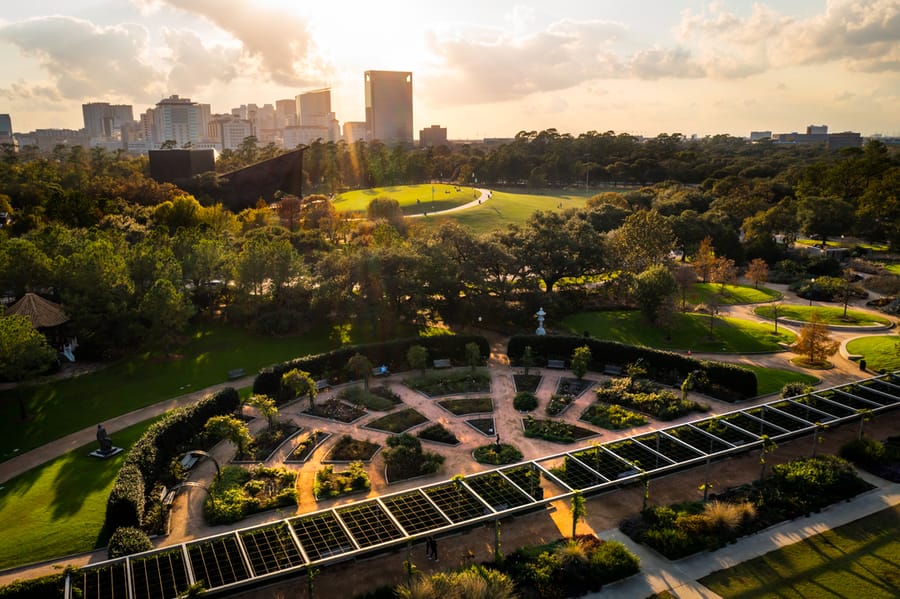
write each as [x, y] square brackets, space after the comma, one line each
[229, 131]
[760, 135]
[285, 113]
[6, 130]
[389, 107]
[103, 120]
[302, 135]
[314, 110]
[818, 134]
[177, 119]
[171, 166]
[817, 129]
[45, 140]
[433, 136]
[354, 131]
[844, 139]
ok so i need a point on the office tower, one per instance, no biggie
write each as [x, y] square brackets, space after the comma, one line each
[354, 131]
[228, 131]
[433, 136]
[389, 109]
[315, 113]
[102, 119]
[179, 120]
[285, 113]
[6, 132]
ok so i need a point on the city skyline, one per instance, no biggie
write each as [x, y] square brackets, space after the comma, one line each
[482, 70]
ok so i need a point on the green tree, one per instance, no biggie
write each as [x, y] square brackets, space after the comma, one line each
[265, 405]
[579, 510]
[527, 359]
[360, 367]
[821, 218]
[232, 429]
[581, 359]
[758, 271]
[654, 292]
[417, 357]
[473, 356]
[766, 447]
[644, 239]
[300, 384]
[24, 352]
[165, 311]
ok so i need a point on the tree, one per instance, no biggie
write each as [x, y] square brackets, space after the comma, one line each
[417, 357]
[815, 343]
[165, 310]
[579, 510]
[473, 355]
[527, 359]
[685, 278]
[266, 406]
[581, 358]
[24, 352]
[723, 272]
[360, 367]
[644, 239]
[300, 384]
[820, 218]
[232, 429]
[654, 291]
[705, 259]
[758, 271]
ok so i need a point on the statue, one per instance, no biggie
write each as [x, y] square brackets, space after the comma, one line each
[540, 318]
[103, 439]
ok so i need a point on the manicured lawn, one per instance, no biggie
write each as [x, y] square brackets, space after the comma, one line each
[893, 268]
[771, 380]
[505, 209]
[827, 314]
[59, 507]
[706, 293]
[882, 352]
[860, 559]
[445, 197]
[62, 407]
[688, 332]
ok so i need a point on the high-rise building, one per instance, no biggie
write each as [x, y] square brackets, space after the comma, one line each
[102, 119]
[179, 120]
[6, 132]
[314, 109]
[389, 108]
[354, 131]
[433, 136]
[228, 131]
[285, 113]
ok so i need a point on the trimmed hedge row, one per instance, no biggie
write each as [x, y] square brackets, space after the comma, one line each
[149, 458]
[333, 365]
[51, 585]
[726, 381]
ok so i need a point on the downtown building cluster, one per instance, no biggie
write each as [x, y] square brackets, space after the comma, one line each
[178, 122]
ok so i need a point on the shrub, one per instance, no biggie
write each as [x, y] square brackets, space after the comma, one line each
[237, 494]
[864, 451]
[52, 585]
[125, 504]
[612, 417]
[558, 403]
[329, 483]
[525, 401]
[128, 540]
[497, 456]
[611, 561]
[404, 458]
[795, 388]
[646, 397]
[883, 284]
[439, 434]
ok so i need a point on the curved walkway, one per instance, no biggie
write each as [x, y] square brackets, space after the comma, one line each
[484, 196]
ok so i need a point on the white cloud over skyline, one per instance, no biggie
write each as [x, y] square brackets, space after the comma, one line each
[654, 66]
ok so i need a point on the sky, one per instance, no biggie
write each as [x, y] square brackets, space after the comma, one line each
[480, 68]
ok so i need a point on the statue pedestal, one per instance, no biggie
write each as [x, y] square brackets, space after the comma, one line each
[97, 453]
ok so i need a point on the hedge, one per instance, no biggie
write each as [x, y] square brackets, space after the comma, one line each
[125, 504]
[726, 381]
[52, 585]
[332, 365]
[128, 540]
[151, 455]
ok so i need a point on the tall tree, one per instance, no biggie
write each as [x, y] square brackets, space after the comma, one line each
[24, 352]
[644, 239]
[654, 291]
[814, 341]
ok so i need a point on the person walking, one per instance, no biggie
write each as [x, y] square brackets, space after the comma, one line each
[428, 541]
[434, 553]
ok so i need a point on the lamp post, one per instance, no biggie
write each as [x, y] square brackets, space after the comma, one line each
[812, 286]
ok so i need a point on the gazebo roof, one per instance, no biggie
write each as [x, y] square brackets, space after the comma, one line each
[42, 313]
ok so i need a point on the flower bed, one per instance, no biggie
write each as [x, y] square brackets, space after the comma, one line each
[379, 399]
[558, 404]
[335, 409]
[497, 455]
[451, 383]
[485, 426]
[439, 434]
[573, 387]
[527, 382]
[611, 417]
[467, 405]
[239, 492]
[348, 449]
[398, 422]
[306, 446]
[793, 489]
[647, 397]
[267, 442]
[554, 430]
[330, 484]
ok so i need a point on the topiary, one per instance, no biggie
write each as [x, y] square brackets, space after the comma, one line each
[525, 401]
[128, 540]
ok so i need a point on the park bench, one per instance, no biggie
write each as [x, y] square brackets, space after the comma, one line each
[380, 371]
[189, 460]
[442, 363]
[558, 364]
[612, 370]
[236, 373]
[322, 384]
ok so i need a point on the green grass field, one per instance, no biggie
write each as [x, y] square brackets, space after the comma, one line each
[860, 559]
[413, 199]
[828, 314]
[771, 380]
[59, 507]
[61, 407]
[893, 268]
[882, 352]
[688, 332]
[702, 293]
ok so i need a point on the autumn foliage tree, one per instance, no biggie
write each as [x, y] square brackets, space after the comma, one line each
[815, 343]
[758, 271]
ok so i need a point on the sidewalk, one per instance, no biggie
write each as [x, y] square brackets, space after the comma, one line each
[680, 577]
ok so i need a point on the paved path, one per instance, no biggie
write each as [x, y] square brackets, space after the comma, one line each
[484, 196]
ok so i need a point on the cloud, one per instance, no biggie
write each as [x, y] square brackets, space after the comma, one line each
[83, 59]
[279, 41]
[195, 65]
